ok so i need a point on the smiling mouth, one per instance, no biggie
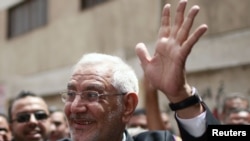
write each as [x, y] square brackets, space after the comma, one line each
[83, 122]
[35, 134]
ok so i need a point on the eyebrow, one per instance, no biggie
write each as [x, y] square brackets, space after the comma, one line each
[70, 86]
[95, 87]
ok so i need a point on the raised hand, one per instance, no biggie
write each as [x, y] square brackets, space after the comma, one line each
[166, 68]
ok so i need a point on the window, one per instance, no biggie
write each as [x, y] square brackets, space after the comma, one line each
[26, 16]
[90, 3]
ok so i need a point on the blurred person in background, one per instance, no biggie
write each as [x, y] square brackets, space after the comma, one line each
[138, 122]
[230, 103]
[5, 132]
[59, 125]
[166, 121]
[238, 116]
[29, 117]
[138, 119]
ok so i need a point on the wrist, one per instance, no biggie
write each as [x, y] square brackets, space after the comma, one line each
[194, 99]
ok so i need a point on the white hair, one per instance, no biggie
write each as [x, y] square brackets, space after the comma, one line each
[124, 78]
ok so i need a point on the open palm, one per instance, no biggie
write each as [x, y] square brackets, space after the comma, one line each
[166, 68]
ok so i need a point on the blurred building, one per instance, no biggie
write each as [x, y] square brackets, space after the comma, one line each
[40, 40]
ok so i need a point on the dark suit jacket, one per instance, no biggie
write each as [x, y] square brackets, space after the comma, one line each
[168, 136]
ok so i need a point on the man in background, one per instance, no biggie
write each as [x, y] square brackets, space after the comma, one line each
[29, 117]
[59, 126]
[5, 132]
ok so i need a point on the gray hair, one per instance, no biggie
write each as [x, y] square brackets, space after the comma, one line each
[124, 78]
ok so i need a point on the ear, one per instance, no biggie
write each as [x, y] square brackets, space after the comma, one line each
[130, 103]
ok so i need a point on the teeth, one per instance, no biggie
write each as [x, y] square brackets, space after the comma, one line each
[33, 132]
[83, 122]
[87, 122]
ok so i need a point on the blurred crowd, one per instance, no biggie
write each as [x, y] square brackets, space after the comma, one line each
[30, 119]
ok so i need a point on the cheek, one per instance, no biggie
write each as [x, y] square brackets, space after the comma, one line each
[18, 128]
[67, 109]
[45, 126]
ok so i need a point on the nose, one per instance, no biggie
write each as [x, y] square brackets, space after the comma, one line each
[52, 127]
[33, 118]
[79, 105]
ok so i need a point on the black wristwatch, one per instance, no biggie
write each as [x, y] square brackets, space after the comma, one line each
[192, 100]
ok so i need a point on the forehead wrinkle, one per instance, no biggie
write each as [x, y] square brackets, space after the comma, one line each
[104, 80]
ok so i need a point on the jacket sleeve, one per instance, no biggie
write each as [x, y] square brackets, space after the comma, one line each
[210, 120]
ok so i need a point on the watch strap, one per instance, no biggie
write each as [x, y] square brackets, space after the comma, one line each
[192, 100]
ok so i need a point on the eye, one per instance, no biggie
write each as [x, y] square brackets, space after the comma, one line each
[23, 117]
[71, 93]
[68, 95]
[40, 115]
[57, 123]
[92, 95]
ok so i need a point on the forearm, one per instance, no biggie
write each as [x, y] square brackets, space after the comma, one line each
[153, 111]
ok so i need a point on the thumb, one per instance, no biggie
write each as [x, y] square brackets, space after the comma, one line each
[143, 54]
